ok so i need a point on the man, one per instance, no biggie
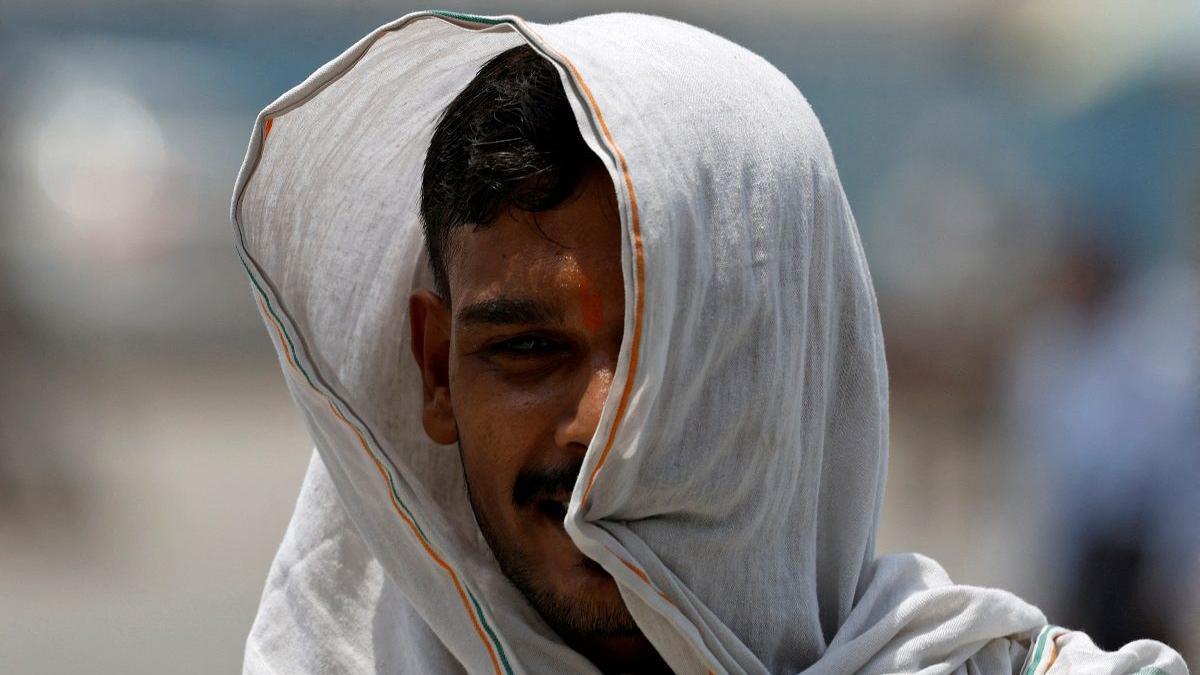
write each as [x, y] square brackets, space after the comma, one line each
[511, 188]
[641, 425]
[525, 324]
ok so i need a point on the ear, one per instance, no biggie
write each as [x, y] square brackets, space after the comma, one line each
[429, 321]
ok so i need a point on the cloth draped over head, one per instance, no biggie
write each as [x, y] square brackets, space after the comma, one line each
[734, 482]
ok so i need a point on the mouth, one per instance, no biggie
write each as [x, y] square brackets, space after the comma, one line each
[551, 510]
[553, 507]
[545, 492]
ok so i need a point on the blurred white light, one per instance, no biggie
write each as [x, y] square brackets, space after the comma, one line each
[99, 155]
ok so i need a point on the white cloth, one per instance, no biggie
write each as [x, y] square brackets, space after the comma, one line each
[734, 483]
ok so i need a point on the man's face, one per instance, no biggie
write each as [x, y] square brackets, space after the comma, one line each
[517, 372]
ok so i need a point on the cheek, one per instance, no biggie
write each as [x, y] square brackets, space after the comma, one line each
[502, 427]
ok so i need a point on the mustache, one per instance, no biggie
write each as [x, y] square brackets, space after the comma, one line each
[545, 482]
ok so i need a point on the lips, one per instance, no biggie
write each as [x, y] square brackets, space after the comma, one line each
[553, 507]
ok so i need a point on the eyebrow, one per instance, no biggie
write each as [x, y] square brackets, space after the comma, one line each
[505, 311]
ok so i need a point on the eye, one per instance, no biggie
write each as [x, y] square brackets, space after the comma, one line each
[525, 346]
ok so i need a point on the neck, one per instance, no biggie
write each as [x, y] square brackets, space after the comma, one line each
[621, 653]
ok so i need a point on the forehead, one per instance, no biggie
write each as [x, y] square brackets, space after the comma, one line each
[542, 253]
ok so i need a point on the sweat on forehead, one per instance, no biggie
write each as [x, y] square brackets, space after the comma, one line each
[569, 259]
[565, 239]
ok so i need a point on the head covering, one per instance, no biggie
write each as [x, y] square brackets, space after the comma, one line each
[734, 482]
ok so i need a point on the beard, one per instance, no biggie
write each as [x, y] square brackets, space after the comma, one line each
[568, 616]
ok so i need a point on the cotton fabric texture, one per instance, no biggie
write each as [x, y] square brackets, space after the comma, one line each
[733, 486]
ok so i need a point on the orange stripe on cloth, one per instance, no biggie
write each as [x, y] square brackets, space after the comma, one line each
[412, 526]
[644, 577]
[278, 333]
[462, 594]
[1054, 649]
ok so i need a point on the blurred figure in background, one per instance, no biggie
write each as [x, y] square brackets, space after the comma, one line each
[36, 485]
[1103, 404]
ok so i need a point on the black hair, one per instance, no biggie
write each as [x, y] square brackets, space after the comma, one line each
[508, 140]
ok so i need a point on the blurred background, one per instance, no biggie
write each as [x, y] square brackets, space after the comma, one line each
[1026, 176]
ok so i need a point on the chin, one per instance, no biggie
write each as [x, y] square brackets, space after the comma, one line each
[584, 601]
[571, 592]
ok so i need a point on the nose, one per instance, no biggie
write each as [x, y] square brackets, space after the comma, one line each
[579, 422]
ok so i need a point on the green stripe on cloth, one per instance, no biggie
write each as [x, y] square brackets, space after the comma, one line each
[1036, 651]
[473, 18]
[270, 308]
[488, 628]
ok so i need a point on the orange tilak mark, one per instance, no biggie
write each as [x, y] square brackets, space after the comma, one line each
[267, 127]
[638, 271]
[591, 305]
[395, 504]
